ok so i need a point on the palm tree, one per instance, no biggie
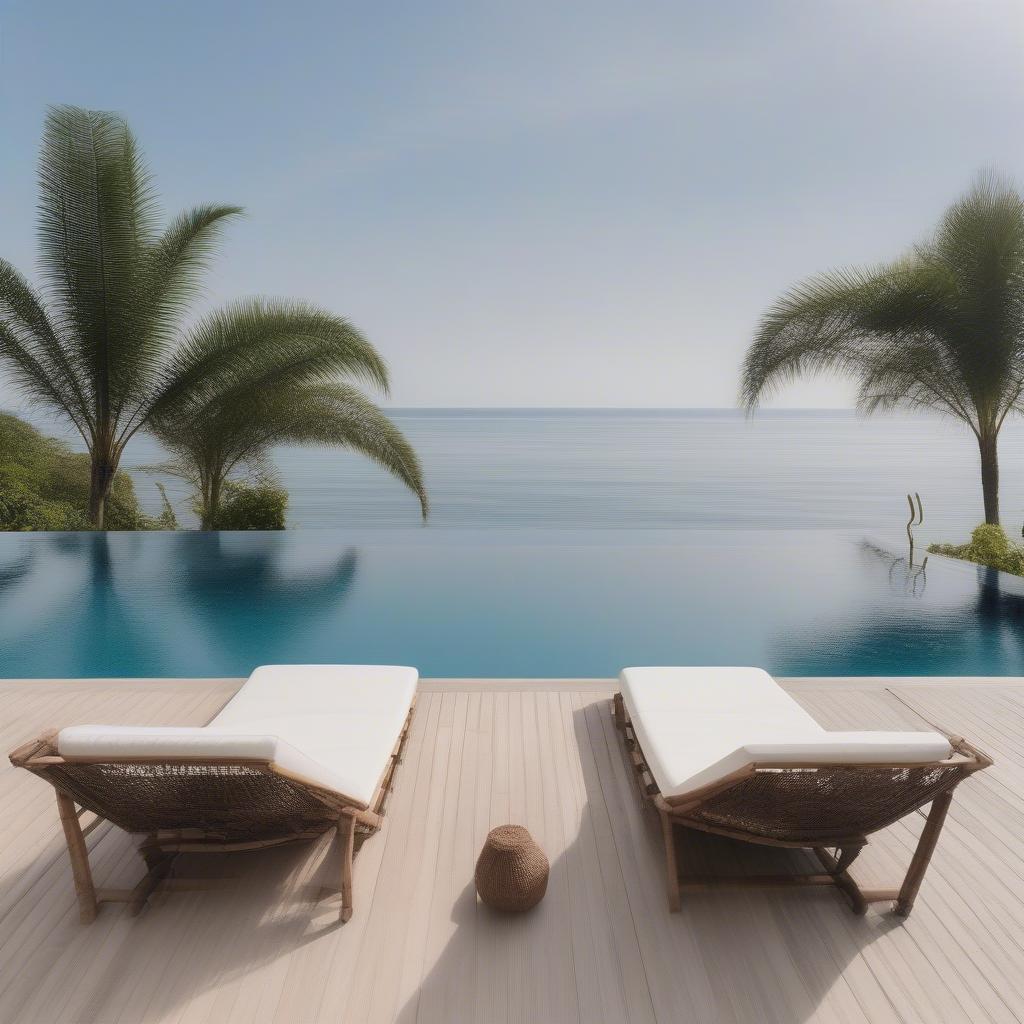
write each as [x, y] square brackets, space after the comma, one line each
[91, 344]
[941, 328]
[99, 343]
[232, 414]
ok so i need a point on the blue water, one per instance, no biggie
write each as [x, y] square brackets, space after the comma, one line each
[562, 544]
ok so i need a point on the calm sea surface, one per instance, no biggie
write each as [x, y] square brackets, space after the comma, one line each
[672, 470]
[561, 544]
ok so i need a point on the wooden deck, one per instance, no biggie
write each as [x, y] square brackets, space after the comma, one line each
[602, 945]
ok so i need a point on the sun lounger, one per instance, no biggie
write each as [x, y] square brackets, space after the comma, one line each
[728, 751]
[299, 750]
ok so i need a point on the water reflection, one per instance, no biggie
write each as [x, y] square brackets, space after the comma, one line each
[796, 602]
[246, 600]
[980, 634]
[14, 569]
[214, 562]
[94, 603]
[103, 615]
[904, 573]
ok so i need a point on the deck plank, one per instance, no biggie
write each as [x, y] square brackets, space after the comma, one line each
[601, 946]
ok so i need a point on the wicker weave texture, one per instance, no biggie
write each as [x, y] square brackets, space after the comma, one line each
[512, 870]
[827, 803]
[231, 802]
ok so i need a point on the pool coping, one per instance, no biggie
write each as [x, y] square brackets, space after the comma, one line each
[431, 684]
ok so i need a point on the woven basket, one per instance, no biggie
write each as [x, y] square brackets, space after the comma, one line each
[512, 871]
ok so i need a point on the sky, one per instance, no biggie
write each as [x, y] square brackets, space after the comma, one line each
[535, 204]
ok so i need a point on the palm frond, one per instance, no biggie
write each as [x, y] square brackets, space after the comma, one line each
[260, 341]
[980, 245]
[338, 415]
[175, 467]
[883, 326]
[97, 218]
[176, 261]
[171, 275]
[239, 429]
[816, 327]
[42, 369]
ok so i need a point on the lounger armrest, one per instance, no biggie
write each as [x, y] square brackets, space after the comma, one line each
[854, 748]
[158, 742]
[207, 743]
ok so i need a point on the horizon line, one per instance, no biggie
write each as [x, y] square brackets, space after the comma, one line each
[612, 408]
[40, 414]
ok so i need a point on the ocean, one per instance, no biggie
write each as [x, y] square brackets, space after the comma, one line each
[648, 470]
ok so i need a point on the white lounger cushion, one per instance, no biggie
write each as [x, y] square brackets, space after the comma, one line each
[334, 725]
[699, 725]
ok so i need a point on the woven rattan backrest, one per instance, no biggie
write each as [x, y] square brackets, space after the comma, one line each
[824, 803]
[233, 801]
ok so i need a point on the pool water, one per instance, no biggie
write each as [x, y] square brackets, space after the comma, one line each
[484, 603]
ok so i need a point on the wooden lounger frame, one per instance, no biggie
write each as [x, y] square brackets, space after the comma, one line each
[808, 806]
[197, 805]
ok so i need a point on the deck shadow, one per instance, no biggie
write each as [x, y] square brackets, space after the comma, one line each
[191, 937]
[727, 956]
[601, 946]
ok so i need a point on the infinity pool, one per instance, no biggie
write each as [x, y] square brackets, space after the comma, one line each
[458, 603]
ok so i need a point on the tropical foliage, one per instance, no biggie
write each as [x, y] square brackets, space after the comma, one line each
[251, 506]
[287, 392]
[101, 343]
[44, 485]
[941, 328]
[989, 546]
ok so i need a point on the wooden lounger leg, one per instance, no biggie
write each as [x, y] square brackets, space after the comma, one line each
[841, 876]
[150, 852]
[79, 855]
[671, 867]
[158, 866]
[139, 896]
[346, 839]
[620, 711]
[923, 853]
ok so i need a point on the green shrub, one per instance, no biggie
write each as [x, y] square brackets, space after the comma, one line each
[44, 485]
[989, 546]
[246, 506]
[22, 509]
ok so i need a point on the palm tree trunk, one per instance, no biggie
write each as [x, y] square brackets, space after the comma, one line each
[100, 478]
[211, 504]
[990, 475]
